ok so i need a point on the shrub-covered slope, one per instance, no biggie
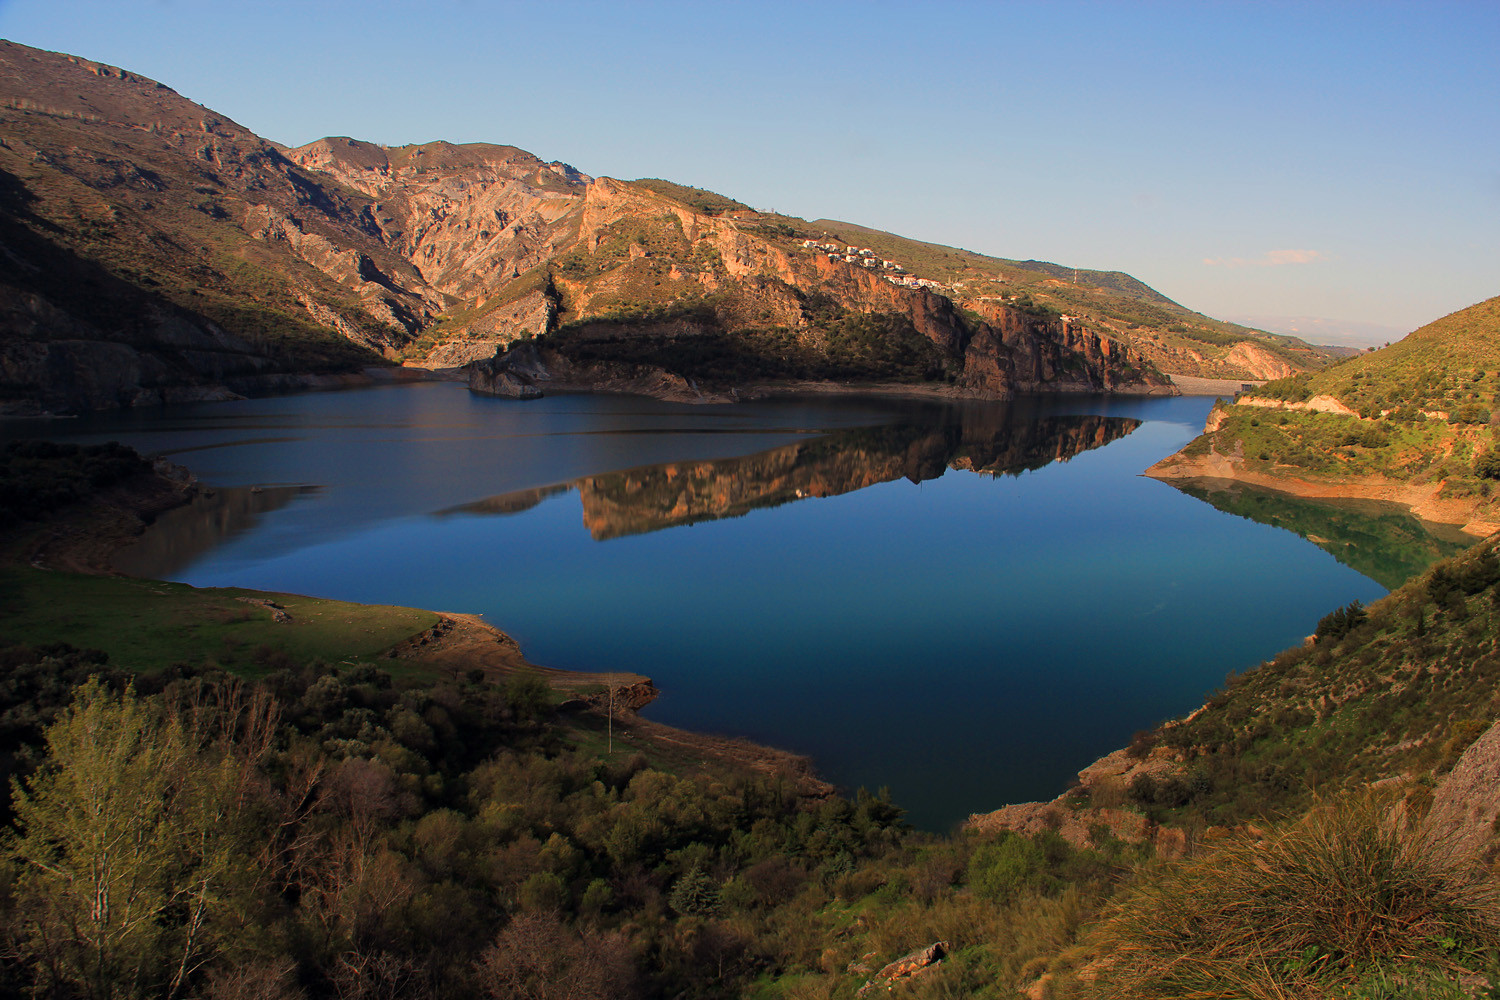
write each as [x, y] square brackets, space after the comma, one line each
[1411, 422]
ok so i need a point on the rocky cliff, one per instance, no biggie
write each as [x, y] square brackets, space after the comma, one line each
[157, 251]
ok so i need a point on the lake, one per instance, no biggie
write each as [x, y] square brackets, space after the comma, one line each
[964, 602]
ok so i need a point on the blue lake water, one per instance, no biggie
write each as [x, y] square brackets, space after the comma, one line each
[826, 575]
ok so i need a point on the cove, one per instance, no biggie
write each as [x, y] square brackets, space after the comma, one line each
[962, 602]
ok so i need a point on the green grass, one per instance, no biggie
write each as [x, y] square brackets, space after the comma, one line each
[1448, 365]
[707, 202]
[146, 624]
[1295, 444]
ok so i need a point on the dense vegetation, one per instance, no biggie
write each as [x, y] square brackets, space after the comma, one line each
[39, 477]
[338, 832]
[313, 824]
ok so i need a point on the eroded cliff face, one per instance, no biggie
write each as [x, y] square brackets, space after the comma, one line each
[655, 297]
[161, 251]
[470, 218]
[155, 250]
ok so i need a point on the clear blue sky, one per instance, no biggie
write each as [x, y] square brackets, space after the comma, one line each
[1335, 160]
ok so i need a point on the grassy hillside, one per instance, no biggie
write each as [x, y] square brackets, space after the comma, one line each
[1451, 366]
[1398, 688]
[1421, 413]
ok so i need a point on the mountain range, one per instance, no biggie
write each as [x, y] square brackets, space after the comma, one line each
[153, 250]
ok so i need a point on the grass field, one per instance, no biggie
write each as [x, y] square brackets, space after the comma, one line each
[145, 625]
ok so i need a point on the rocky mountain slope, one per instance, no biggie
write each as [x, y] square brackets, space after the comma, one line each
[1412, 423]
[155, 250]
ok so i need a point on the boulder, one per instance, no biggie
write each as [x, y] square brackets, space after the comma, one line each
[1465, 809]
[494, 377]
[906, 967]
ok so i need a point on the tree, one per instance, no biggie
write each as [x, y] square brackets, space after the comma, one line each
[1337, 624]
[694, 893]
[134, 847]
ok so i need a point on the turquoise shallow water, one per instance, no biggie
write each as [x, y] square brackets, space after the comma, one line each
[825, 575]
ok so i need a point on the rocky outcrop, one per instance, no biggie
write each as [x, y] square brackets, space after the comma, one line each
[469, 217]
[906, 968]
[1111, 779]
[1317, 404]
[1465, 813]
[494, 378]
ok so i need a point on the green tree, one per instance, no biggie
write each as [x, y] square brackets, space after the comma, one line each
[528, 695]
[694, 893]
[133, 850]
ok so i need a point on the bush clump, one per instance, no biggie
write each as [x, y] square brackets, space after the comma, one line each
[1313, 909]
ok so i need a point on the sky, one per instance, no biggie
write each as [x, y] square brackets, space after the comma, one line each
[1334, 165]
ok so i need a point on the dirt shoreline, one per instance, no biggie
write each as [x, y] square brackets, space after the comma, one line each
[1421, 499]
[461, 642]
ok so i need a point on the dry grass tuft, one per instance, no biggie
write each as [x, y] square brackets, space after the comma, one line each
[1313, 909]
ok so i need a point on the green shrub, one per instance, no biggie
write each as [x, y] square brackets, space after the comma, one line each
[1001, 870]
[1337, 624]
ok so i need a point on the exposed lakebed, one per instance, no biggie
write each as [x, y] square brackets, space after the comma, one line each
[964, 602]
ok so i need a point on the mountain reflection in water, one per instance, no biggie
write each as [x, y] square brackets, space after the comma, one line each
[985, 440]
[181, 535]
[1382, 541]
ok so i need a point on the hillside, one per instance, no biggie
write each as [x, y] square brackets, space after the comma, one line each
[1412, 423]
[163, 252]
[1172, 337]
[159, 251]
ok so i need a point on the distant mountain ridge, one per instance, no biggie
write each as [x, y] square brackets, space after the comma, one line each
[159, 251]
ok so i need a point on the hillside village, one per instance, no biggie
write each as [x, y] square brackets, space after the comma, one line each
[897, 275]
[868, 259]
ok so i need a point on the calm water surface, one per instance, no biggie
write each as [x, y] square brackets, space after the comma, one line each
[965, 603]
